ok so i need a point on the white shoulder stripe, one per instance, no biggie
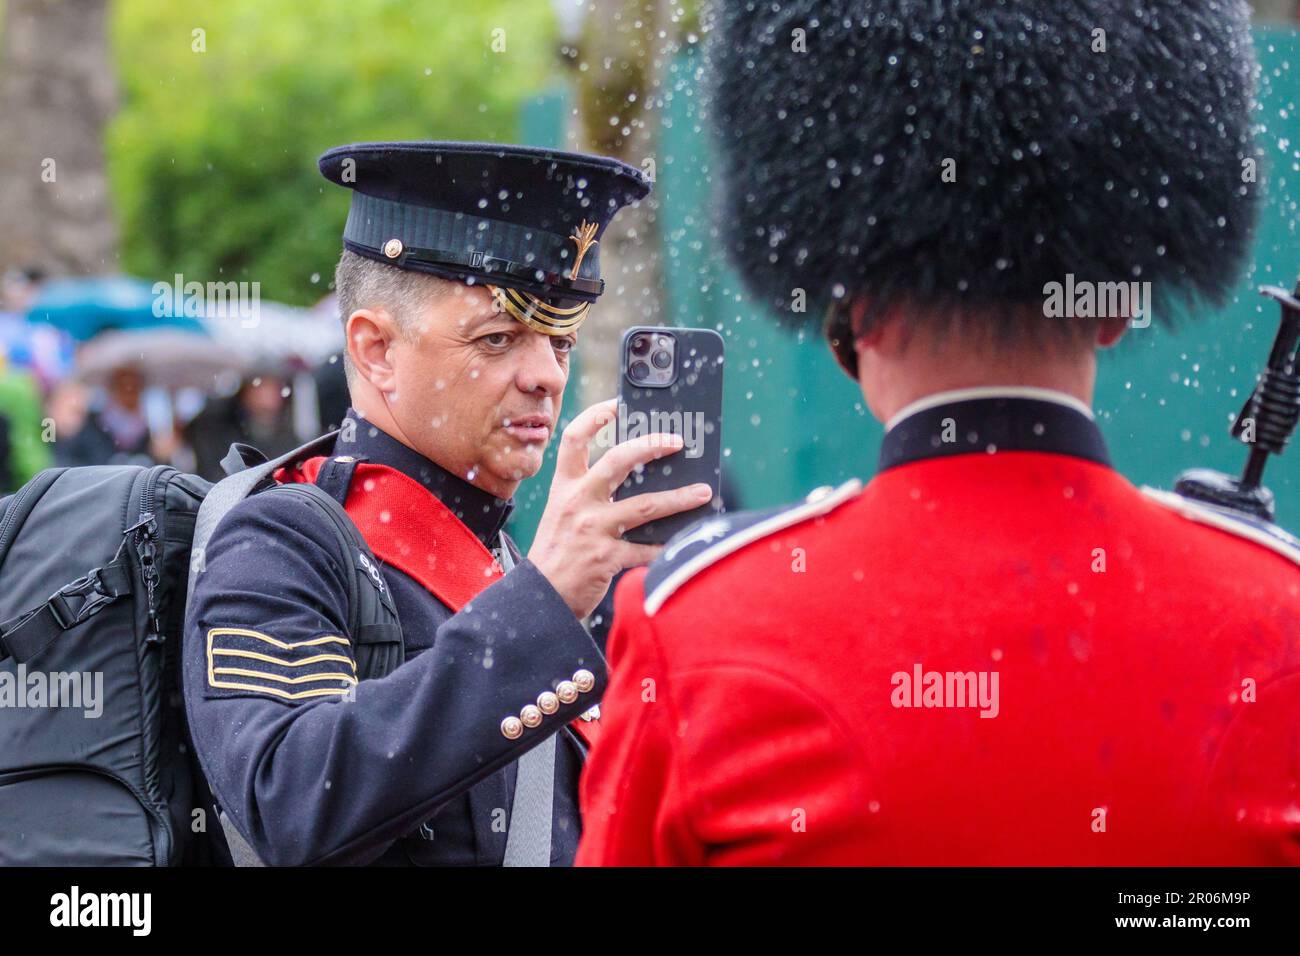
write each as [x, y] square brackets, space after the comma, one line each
[1274, 539]
[809, 509]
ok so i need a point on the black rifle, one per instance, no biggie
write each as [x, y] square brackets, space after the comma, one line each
[1265, 424]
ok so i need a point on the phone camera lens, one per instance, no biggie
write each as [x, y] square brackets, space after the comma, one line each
[639, 371]
[661, 360]
[640, 345]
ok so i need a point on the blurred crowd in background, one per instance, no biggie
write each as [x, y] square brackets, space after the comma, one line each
[99, 371]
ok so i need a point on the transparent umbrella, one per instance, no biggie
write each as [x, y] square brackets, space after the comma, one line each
[168, 358]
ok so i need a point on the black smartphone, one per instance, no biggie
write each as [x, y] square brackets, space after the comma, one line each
[671, 381]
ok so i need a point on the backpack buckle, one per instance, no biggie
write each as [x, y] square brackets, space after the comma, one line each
[92, 592]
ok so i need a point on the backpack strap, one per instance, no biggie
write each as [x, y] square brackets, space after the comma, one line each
[373, 624]
[241, 851]
[528, 840]
[27, 634]
[241, 457]
[21, 506]
[335, 476]
[233, 489]
[372, 614]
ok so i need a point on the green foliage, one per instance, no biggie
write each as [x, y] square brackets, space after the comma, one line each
[213, 155]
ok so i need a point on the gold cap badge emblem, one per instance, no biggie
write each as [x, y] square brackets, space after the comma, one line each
[585, 237]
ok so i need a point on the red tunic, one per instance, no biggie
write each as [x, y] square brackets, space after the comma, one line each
[1147, 705]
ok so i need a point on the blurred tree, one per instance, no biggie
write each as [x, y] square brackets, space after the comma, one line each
[619, 58]
[227, 105]
[1276, 11]
[57, 92]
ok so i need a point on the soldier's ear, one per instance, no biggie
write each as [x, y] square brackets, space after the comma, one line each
[874, 332]
[371, 334]
[887, 333]
[1110, 331]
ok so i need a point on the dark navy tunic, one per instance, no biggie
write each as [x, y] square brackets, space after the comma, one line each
[412, 768]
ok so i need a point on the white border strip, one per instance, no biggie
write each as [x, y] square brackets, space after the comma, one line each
[1206, 515]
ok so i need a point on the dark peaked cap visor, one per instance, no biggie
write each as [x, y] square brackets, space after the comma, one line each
[513, 218]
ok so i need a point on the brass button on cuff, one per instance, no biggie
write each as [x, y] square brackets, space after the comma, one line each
[512, 728]
[585, 680]
[548, 702]
[567, 691]
[530, 715]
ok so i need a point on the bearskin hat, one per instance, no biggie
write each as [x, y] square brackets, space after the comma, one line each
[962, 154]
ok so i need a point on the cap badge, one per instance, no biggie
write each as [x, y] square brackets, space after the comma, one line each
[585, 237]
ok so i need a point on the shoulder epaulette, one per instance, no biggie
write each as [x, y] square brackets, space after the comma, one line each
[695, 548]
[1234, 522]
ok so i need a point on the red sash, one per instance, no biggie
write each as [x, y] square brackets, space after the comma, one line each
[407, 526]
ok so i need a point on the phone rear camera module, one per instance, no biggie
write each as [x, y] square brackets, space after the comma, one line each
[651, 358]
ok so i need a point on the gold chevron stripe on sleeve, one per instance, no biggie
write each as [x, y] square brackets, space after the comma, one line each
[275, 691]
[254, 656]
[244, 632]
[215, 651]
[303, 679]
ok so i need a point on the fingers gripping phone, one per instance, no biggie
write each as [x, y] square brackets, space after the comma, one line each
[671, 381]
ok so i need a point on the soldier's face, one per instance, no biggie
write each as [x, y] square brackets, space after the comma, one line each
[477, 391]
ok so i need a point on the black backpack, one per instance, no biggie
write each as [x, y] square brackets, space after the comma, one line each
[96, 768]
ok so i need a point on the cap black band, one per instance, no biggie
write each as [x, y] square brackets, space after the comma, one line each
[455, 241]
[496, 267]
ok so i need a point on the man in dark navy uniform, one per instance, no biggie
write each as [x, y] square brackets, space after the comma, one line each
[997, 651]
[466, 274]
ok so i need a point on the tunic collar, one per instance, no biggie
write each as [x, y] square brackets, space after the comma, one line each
[482, 512]
[992, 420]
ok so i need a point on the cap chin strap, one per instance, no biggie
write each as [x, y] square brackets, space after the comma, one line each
[538, 314]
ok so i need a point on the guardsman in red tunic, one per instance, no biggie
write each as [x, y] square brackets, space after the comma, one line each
[998, 650]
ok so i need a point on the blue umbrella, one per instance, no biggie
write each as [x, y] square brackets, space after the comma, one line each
[86, 307]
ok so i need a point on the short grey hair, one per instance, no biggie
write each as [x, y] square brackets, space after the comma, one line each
[362, 283]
